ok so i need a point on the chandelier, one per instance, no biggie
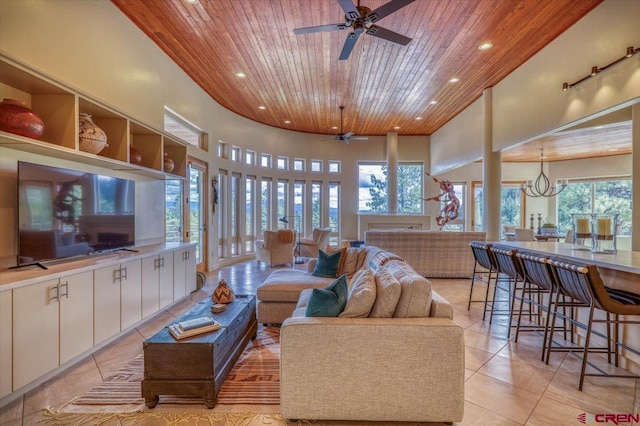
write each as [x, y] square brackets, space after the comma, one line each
[542, 187]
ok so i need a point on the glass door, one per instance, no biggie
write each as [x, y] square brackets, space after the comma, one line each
[197, 217]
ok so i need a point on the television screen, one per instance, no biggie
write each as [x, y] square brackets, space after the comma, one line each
[65, 213]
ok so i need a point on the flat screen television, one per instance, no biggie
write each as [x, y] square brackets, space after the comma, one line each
[65, 213]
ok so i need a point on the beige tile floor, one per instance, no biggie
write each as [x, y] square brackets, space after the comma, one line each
[506, 382]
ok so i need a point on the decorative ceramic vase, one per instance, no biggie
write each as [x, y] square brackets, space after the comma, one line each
[17, 118]
[134, 155]
[92, 138]
[223, 293]
[168, 163]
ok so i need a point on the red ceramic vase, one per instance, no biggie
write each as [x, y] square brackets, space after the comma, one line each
[134, 155]
[17, 118]
[168, 163]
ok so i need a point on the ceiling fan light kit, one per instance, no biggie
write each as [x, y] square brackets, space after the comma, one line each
[596, 70]
[361, 19]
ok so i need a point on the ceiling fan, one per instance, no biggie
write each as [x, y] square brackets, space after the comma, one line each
[346, 137]
[361, 19]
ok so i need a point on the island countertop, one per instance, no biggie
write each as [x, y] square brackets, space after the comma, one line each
[622, 260]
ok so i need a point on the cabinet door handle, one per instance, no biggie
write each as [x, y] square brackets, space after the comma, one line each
[162, 262]
[66, 289]
[57, 293]
[125, 273]
[117, 275]
[156, 263]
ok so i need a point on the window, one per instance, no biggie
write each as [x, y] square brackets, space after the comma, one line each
[250, 158]
[459, 223]
[334, 213]
[250, 211]
[283, 197]
[235, 214]
[372, 188]
[283, 163]
[223, 150]
[41, 216]
[513, 204]
[409, 188]
[265, 204]
[222, 215]
[235, 154]
[334, 167]
[316, 204]
[600, 196]
[182, 129]
[265, 160]
[298, 165]
[316, 166]
[298, 205]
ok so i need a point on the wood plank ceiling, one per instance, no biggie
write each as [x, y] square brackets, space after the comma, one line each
[384, 86]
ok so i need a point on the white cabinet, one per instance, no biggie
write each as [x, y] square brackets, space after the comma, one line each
[166, 279]
[35, 331]
[130, 293]
[76, 315]
[106, 305]
[184, 272]
[6, 345]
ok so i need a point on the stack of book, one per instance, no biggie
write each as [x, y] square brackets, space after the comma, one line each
[193, 327]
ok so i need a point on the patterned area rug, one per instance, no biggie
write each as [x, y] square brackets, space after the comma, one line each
[253, 381]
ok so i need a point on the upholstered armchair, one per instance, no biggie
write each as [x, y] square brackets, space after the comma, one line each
[276, 248]
[309, 246]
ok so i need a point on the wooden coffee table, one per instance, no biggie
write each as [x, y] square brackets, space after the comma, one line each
[198, 365]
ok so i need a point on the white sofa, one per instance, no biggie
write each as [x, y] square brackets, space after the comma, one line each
[433, 254]
[409, 367]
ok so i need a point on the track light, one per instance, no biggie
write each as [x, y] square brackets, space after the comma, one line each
[596, 70]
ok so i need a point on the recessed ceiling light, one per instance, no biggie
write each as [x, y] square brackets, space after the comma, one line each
[240, 74]
[262, 107]
[433, 102]
[191, 1]
[485, 46]
[287, 121]
[454, 80]
[334, 127]
[612, 149]
[418, 118]
[396, 127]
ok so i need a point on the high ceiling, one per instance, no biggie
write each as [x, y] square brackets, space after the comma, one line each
[299, 79]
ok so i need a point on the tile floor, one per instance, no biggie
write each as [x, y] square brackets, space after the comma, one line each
[506, 383]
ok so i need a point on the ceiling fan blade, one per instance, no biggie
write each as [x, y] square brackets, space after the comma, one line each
[320, 28]
[346, 135]
[349, 43]
[386, 10]
[359, 138]
[350, 10]
[386, 34]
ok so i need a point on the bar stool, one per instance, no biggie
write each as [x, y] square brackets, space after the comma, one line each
[484, 264]
[510, 266]
[583, 283]
[537, 272]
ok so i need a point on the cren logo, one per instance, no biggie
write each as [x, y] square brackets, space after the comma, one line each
[616, 419]
[585, 418]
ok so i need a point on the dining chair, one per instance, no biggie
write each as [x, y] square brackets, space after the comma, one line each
[524, 234]
[583, 283]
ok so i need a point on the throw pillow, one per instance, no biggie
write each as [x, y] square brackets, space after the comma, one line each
[327, 264]
[388, 291]
[362, 295]
[329, 301]
[382, 257]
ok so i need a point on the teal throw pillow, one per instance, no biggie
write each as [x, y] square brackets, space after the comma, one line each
[327, 264]
[329, 301]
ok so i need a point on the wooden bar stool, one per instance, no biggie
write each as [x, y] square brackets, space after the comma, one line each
[510, 266]
[583, 283]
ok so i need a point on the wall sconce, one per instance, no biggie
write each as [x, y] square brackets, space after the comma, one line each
[596, 70]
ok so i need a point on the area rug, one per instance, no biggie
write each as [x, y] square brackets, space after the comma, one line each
[249, 395]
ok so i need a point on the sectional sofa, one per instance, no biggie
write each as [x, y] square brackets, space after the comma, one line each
[405, 366]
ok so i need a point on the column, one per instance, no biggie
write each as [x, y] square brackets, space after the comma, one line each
[392, 175]
[491, 172]
[635, 177]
